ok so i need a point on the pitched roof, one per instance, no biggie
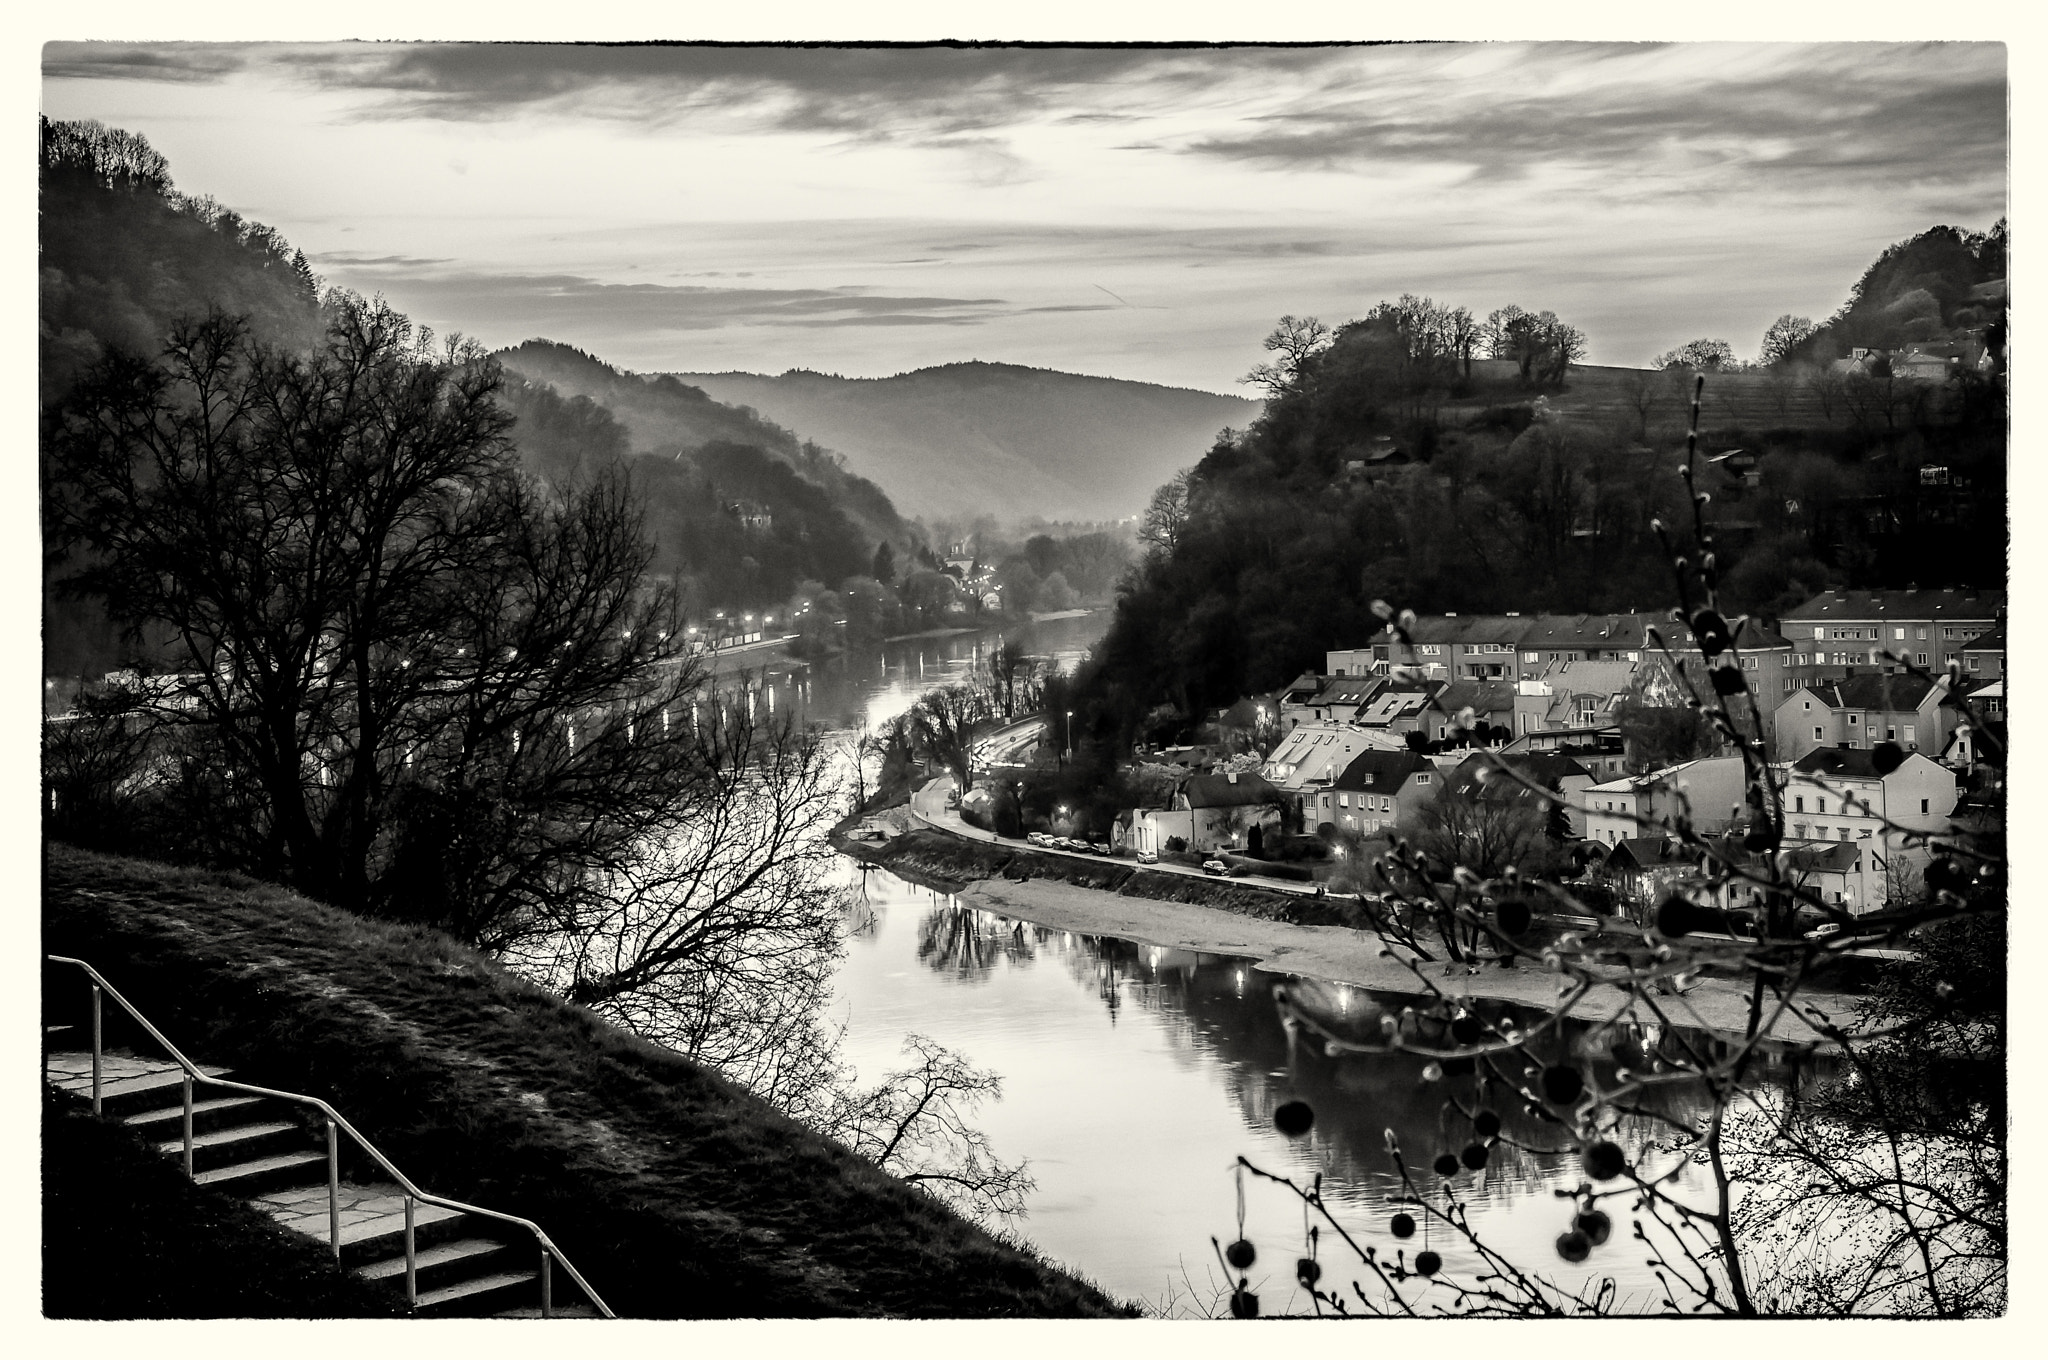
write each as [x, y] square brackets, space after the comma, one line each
[1382, 771]
[1907, 604]
[1588, 630]
[1993, 641]
[1838, 857]
[1606, 676]
[1648, 852]
[1540, 768]
[1349, 689]
[1468, 629]
[1300, 687]
[1900, 693]
[1223, 790]
[1481, 696]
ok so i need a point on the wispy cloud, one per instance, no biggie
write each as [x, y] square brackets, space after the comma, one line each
[544, 300]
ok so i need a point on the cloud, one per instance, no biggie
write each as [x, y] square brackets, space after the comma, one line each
[356, 259]
[182, 63]
[557, 300]
[1698, 119]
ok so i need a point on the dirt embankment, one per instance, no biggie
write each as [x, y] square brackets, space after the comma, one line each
[949, 863]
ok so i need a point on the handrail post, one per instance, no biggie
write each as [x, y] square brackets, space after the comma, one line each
[334, 1189]
[547, 1283]
[412, 1260]
[96, 1050]
[188, 1126]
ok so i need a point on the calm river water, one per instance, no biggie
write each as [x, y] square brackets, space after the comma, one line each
[1134, 1076]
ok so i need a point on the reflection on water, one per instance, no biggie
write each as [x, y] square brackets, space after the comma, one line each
[877, 684]
[1135, 1075]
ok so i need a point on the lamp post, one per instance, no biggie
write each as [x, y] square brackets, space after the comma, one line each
[1070, 734]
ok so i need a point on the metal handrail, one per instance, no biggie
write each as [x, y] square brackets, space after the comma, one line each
[550, 1253]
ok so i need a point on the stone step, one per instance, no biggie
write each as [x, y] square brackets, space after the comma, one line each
[127, 1085]
[206, 1115]
[238, 1143]
[482, 1296]
[441, 1265]
[279, 1169]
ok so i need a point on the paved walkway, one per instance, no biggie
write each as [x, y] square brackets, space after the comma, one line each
[120, 1074]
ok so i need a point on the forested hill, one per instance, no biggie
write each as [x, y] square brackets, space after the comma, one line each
[1388, 464]
[742, 505]
[124, 255]
[975, 438]
[741, 511]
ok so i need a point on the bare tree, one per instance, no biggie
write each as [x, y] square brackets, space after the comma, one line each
[435, 691]
[914, 1125]
[1296, 341]
[1166, 516]
[942, 727]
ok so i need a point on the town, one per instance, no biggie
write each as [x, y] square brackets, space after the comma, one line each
[1882, 713]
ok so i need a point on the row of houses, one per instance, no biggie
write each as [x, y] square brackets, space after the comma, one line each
[1359, 747]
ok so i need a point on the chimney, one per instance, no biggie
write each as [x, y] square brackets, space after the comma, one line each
[1231, 776]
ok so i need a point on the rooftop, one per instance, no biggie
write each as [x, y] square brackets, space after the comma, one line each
[1910, 604]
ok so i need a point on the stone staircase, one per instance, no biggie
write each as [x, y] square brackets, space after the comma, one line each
[268, 1152]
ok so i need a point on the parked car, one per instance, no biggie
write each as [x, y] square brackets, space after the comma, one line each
[1147, 857]
[1215, 866]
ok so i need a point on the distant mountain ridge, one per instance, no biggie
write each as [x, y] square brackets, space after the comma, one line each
[980, 438]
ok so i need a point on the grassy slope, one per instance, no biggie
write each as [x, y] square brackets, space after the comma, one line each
[125, 1235]
[676, 1193]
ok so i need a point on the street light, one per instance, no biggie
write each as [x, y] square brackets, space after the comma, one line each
[1070, 734]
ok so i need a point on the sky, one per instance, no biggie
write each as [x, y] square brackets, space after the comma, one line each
[1144, 213]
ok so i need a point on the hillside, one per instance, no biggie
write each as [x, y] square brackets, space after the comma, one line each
[974, 438]
[703, 470]
[677, 1193]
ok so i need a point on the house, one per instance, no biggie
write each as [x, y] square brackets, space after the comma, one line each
[1403, 708]
[1311, 757]
[1838, 795]
[1983, 657]
[1863, 710]
[1340, 698]
[1601, 750]
[1376, 790]
[1708, 791]
[1152, 828]
[1295, 700]
[1583, 693]
[1478, 777]
[1491, 702]
[1639, 870]
[1856, 627]
[1774, 667]
[1230, 811]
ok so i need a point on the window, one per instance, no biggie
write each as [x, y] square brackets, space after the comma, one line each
[1819, 633]
[1806, 704]
[1749, 663]
[1970, 663]
[1920, 634]
[1799, 830]
[1421, 779]
[1923, 807]
[1864, 834]
[1909, 737]
[1784, 660]
[1820, 805]
[1854, 718]
[1529, 658]
[1819, 735]
[1343, 800]
[1920, 658]
[1799, 805]
[1429, 649]
[1891, 733]
[1898, 635]
[1845, 832]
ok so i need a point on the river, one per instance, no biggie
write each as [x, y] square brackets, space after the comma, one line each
[876, 684]
[1134, 1076]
